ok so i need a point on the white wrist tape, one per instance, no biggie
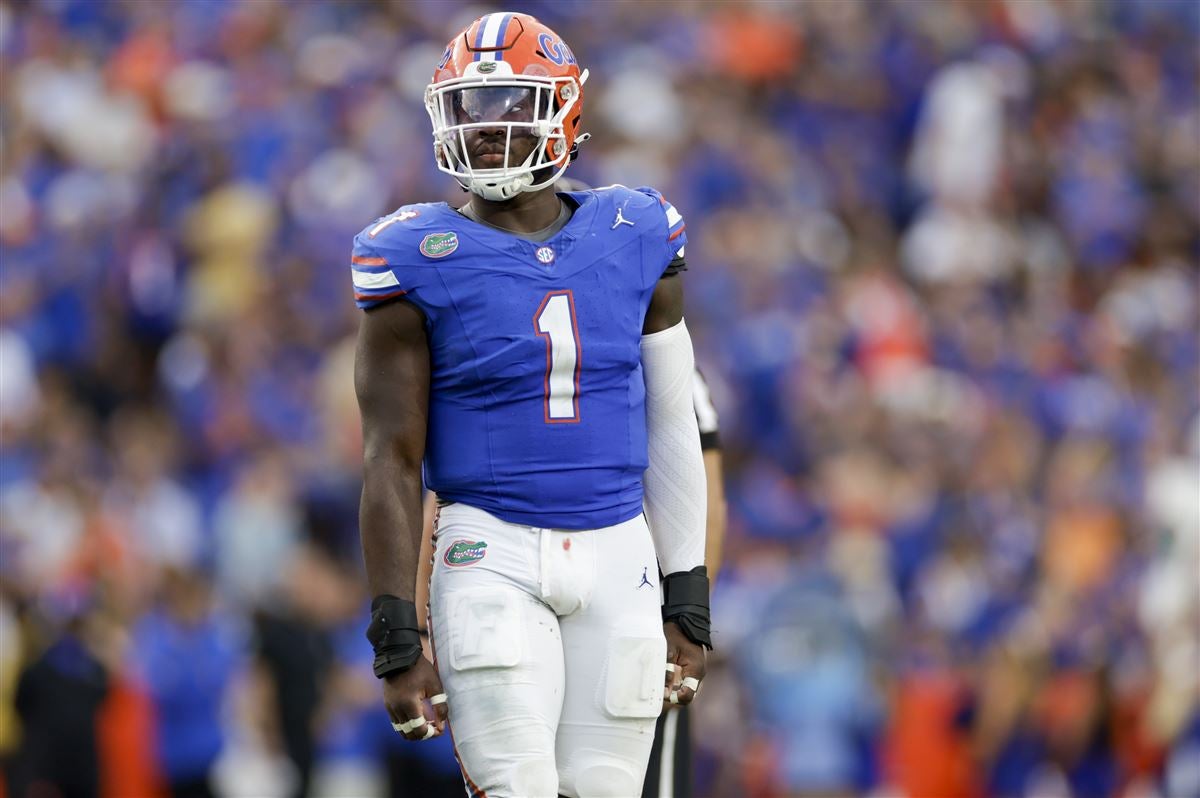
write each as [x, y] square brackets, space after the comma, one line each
[675, 491]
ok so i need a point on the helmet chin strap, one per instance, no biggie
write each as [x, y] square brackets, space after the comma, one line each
[498, 191]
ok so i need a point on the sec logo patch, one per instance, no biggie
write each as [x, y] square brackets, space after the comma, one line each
[545, 256]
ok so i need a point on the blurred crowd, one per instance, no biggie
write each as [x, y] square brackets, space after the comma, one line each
[942, 278]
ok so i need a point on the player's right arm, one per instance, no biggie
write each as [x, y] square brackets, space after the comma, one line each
[391, 378]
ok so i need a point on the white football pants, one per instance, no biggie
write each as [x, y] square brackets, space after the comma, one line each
[550, 648]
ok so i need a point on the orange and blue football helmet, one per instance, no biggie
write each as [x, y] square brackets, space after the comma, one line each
[506, 80]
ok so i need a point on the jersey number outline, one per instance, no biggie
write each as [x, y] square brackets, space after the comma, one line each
[555, 321]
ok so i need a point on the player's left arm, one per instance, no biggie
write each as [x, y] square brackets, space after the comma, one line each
[675, 490]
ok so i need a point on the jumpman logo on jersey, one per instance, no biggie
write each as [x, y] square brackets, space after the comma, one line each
[620, 219]
[645, 579]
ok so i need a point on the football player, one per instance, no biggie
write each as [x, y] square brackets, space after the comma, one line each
[527, 352]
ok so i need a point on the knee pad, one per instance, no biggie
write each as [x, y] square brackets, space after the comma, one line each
[535, 778]
[599, 777]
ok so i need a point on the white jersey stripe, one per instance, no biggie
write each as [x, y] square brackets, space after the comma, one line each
[673, 216]
[370, 282]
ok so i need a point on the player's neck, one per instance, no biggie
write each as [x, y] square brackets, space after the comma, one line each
[524, 213]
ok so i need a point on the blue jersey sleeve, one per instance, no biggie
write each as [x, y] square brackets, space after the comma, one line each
[674, 235]
[375, 282]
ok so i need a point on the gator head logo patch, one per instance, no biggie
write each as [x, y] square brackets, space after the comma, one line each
[439, 245]
[464, 552]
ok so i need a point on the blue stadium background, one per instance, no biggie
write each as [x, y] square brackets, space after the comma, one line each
[943, 280]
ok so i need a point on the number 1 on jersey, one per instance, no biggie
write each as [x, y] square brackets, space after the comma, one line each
[555, 321]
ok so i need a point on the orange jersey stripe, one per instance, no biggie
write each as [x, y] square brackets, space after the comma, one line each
[359, 260]
[675, 235]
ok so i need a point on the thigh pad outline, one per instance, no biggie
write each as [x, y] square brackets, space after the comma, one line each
[633, 684]
[485, 629]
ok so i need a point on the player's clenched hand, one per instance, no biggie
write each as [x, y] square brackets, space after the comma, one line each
[406, 696]
[689, 659]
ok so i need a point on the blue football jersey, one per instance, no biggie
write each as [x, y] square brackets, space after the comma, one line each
[537, 403]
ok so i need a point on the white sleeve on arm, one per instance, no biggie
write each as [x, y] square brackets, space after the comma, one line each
[675, 491]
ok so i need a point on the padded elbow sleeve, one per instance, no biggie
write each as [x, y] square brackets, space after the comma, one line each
[675, 490]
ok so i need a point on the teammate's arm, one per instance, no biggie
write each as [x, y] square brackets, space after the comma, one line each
[710, 443]
[425, 561]
[675, 493]
[714, 538]
[391, 378]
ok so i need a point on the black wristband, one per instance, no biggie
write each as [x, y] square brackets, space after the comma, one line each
[394, 635]
[685, 601]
